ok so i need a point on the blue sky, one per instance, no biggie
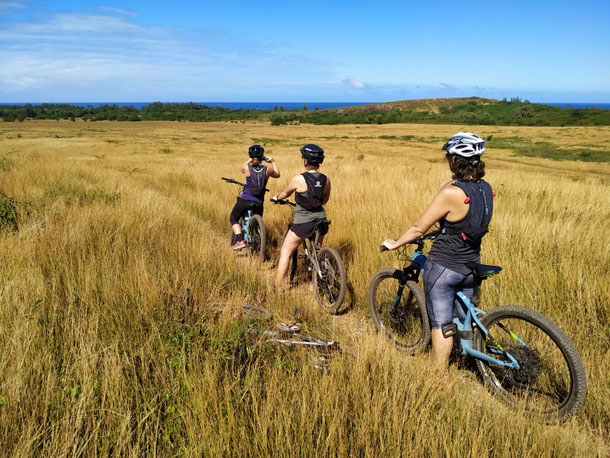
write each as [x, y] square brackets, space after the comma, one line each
[310, 51]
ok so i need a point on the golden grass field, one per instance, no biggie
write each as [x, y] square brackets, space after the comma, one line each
[99, 357]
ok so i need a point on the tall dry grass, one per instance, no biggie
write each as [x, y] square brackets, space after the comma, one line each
[99, 355]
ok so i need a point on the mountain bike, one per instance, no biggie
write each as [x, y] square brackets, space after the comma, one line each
[523, 357]
[252, 227]
[328, 276]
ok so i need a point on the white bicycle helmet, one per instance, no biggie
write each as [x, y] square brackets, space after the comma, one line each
[465, 144]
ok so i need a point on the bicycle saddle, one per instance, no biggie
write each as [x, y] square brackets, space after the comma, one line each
[482, 271]
[321, 223]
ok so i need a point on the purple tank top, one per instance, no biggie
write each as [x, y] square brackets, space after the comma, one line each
[246, 194]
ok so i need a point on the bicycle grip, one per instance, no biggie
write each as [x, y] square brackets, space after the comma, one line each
[383, 248]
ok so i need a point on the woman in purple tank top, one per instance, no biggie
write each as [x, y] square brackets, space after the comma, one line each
[253, 194]
[463, 210]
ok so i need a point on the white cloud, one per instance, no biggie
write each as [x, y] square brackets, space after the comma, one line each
[104, 56]
[356, 84]
[6, 6]
[119, 11]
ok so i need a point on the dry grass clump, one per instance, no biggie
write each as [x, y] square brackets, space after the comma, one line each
[102, 353]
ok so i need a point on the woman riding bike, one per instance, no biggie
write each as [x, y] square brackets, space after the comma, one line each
[253, 194]
[312, 192]
[464, 210]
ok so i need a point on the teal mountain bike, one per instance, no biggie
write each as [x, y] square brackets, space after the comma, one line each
[523, 357]
[253, 229]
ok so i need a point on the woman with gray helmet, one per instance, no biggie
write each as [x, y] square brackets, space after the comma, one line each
[464, 210]
[252, 197]
[312, 190]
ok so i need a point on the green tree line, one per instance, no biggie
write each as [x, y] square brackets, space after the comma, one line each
[504, 113]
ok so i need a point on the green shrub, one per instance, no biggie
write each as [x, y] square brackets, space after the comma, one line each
[9, 214]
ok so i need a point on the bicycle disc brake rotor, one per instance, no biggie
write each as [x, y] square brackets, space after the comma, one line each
[530, 365]
[328, 277]
[396, 313]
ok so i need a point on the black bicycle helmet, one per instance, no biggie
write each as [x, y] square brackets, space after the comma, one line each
[313, 153]
[256, 152]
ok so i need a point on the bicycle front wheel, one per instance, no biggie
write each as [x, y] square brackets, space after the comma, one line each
[258, 239]
[551, 381]
[331, 283]
[401, 315]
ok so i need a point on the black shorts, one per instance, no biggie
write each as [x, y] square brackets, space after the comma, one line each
[241, 207]
[306, 230]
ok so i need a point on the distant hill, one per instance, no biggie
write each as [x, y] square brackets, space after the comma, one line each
[431, 105]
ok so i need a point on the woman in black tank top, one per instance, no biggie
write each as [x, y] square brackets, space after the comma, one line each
[303, 224]
[463, 210]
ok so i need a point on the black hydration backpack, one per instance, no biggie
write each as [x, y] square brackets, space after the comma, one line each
[480, 197]
[258, 180]
[315, 192]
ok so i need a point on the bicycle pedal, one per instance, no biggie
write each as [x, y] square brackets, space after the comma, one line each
[449, 329]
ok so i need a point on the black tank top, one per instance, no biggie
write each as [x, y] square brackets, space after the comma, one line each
[455, 247]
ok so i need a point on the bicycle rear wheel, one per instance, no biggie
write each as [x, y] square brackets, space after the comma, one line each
[258, 239]
[402, 318]
[551, 381]
[331, 284]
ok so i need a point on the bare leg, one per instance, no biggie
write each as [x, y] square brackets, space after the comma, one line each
[236, 228]
[441, 349]
[321, 239]
[291, 242]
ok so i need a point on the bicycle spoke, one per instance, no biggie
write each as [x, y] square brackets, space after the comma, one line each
[399, 311]
[543, 379]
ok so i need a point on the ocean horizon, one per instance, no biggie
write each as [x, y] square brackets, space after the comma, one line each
[285, 105]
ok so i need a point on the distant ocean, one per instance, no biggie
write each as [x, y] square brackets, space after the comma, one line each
[293, 105]
[605, 106]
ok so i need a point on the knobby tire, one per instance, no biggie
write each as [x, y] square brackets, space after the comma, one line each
[330, 289]
[551, 382]
[405, 324]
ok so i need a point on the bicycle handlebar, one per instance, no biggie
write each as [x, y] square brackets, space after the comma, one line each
[282, 202]
[419, 241]
[232, 180]
[430, 235]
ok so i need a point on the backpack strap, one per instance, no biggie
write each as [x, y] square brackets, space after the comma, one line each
[480, 198]
[315, 186]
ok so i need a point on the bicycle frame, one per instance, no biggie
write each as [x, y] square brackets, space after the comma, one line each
[463, 328]
[245, 224]
[311, 253]
[465, 333]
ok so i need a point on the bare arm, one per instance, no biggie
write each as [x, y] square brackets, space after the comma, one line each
[273, 172]
[443, 204]
[326, 191]
[244, 167]
[292, 186]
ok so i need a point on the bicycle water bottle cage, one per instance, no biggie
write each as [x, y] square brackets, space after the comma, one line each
[481, 271]
[449, 329]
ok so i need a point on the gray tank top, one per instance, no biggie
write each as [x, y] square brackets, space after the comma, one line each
[301, 215]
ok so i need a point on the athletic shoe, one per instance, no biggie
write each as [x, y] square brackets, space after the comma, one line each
[239, 245]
